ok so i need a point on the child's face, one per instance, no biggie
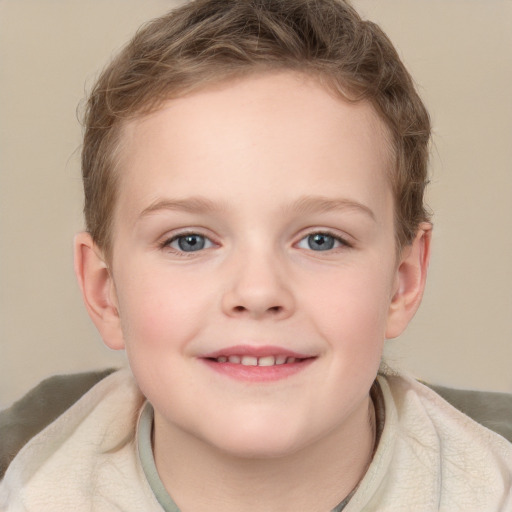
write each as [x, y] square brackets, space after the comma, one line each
[255, 219]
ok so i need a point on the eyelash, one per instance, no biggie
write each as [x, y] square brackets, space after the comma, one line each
[166, 244]
[343, 243]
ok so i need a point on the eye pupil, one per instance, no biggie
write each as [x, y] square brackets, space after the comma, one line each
[189, 243]
[320, 242]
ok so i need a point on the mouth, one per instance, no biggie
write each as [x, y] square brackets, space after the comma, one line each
[245, 360]
[257, 364]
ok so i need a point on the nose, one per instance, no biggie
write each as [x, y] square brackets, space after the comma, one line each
[257, 287]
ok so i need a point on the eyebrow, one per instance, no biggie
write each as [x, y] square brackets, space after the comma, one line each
[321, 204]
[303, 205]
[190, 204]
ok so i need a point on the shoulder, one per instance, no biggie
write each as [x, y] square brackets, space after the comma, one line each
[463, 463]
[491, 409]
[40, 407]
[86, 454]
[472, 410]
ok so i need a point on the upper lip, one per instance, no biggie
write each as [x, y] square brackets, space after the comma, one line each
[255, 351]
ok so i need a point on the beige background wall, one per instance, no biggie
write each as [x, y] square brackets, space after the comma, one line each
[460, 53]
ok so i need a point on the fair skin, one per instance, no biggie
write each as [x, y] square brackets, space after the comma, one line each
[254, 223]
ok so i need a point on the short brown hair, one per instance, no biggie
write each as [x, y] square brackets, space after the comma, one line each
[211, 40]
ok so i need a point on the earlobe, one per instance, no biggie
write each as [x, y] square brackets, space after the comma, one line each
[410, 282]
[98, 290]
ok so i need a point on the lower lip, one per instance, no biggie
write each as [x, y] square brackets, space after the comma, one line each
[259, 373]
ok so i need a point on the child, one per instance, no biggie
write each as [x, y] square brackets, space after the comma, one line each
[254, 176]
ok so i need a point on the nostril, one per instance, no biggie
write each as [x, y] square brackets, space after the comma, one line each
[272, 309]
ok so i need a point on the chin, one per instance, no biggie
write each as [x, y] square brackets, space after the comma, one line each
[268, 441]
[259, 451]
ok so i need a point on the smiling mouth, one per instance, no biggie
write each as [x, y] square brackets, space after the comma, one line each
[257, 361]
[249, 363]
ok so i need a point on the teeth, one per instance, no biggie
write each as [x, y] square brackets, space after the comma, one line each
[257, 361]
[267, 361]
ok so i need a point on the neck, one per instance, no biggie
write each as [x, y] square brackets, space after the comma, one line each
[315, 478]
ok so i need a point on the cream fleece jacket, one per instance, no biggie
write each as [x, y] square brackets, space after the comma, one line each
[431, 457]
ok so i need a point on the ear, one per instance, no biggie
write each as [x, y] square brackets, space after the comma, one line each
[98, 290]
[410, 281]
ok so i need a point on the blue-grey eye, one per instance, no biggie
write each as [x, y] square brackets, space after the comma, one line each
[190, 243]
[319, 242]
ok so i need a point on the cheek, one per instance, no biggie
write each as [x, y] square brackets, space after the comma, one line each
[158, 310]
[352, 307]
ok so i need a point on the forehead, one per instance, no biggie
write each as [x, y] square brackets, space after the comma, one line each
[257, 132]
